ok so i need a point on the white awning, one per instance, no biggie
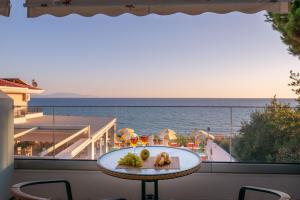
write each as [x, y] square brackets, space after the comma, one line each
[88, 8]
[4, 7]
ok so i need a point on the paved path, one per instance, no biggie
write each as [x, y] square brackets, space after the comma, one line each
[216, 153]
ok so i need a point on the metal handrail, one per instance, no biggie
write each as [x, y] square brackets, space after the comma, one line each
[145, 106]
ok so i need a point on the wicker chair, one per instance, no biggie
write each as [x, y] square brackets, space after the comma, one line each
[281, 195]
[18, 194]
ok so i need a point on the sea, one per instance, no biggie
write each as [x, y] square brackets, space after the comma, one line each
[150, 116]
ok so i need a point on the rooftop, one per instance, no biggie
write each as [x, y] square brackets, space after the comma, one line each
[16, 83]
[64, 137]
[95, 123]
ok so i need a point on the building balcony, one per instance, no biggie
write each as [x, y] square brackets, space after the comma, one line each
[21, 114]
[86, 132]
[70, 139]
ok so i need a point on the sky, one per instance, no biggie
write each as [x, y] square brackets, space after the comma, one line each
[206, 56]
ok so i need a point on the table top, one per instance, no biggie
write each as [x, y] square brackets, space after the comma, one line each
[189, 163]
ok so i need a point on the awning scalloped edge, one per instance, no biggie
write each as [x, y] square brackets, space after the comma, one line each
[84, 8]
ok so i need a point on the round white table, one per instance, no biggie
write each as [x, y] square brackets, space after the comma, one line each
[189, 162]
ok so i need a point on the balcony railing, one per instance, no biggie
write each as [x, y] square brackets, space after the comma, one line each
[23, 111]
[86, 132]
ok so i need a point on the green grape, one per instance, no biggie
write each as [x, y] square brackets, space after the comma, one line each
[131, 160]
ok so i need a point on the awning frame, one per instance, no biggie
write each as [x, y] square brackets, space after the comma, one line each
[5, 7]
[87, 8]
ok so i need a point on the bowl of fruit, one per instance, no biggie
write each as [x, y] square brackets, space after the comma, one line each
[145, 161]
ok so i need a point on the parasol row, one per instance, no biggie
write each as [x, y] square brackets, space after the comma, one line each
[88, 8]
[5, 7]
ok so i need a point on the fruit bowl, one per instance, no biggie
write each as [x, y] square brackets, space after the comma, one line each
[145, 161]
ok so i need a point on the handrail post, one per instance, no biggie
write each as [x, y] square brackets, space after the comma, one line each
[231, 134]
[53, 130]
[106, 141]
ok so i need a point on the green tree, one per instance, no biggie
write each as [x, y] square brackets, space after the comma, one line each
[289, 27]
[272, 135]
[295, 84]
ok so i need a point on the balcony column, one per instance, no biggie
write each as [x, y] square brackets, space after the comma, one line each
[91, 150]
[101, 146]
[114, 134]
[6, 145]
[106, 141]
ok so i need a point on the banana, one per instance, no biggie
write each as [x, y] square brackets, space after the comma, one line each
[158, 157]
[168, 161]
[162, 159]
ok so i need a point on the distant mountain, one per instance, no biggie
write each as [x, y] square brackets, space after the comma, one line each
[62, 95]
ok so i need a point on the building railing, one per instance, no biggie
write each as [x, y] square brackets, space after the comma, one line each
[86, 132]
[34, 110]
[23, 111]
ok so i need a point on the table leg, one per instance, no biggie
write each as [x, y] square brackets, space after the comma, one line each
[156, 190]
[143, 190]
[148, 197]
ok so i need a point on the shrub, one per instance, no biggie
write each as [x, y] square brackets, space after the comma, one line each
[270, 136]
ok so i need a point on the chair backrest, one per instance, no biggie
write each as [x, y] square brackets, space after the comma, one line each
[18, 194]
[279, 194]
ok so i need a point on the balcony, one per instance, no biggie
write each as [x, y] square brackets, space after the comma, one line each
[86, 132]
[213, 181]
[67, 140]
[21, 114]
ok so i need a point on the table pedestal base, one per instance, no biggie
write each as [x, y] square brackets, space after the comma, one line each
[150, 196]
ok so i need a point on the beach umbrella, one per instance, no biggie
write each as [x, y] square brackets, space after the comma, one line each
[126, 130]
[168, 134]
[127, 133]
[203, 133]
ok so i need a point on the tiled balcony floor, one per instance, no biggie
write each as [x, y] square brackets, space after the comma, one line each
[90, 185]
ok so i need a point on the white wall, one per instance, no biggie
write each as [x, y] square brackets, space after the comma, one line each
[6, 144]
[18, 99]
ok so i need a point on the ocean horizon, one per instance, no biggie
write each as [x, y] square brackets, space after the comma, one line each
[151, 115]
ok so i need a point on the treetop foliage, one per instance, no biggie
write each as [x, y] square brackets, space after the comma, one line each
[295, 82]
[289, 27]
[272, 135]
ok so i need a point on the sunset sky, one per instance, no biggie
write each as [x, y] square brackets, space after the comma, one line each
[210, 55]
